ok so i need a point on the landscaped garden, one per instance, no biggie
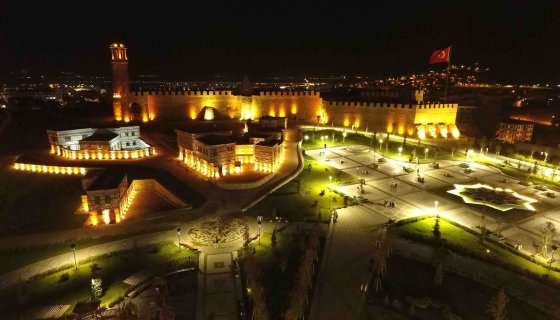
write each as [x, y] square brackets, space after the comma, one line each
[459, 239]
[390, 146]
[411, 282]
[281, 258]
[72, 285]
[308, 196]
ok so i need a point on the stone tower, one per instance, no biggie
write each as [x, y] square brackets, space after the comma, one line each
[121, 83]
[245, 90]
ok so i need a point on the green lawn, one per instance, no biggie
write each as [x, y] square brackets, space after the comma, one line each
[407, 279]
[51, 289]
[32, 202]
[13, 259]
[522, 175]
[308, 202]
[390, 150]
[454, 237]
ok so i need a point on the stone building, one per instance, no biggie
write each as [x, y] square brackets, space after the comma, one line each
[99, 143]
[511, 131]
[215, 153]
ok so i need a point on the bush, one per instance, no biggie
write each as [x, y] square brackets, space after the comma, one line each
[64, 277]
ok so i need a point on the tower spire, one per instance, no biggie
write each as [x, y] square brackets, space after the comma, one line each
[121, 82]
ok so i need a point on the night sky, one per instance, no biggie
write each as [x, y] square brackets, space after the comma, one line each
[519, 40]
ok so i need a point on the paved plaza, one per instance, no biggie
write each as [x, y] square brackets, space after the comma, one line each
[389, 182]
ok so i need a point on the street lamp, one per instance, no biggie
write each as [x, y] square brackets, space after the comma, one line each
[330, 179]
[344, 136]
[436, 204]
[306, 137]
[426, 153]
[259, 221]
[73, 246]
[400, 151]
[380, 144]
[179, 237]
[554, 248]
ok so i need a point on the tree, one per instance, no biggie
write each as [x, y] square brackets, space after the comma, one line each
[497, 306]
[96, 287]
[483, 143]
[548, 232]
[436, 231]
[498, 148]
[299, 294]
[273, 238]
[257, 293]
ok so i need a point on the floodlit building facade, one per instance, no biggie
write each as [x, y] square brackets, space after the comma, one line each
[215, 153]
[100, 144]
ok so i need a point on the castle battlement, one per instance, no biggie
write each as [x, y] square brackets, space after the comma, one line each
[391, 105]
[204, 93]
[289, 93]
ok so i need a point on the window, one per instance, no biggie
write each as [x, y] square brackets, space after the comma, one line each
[97, 200]
[67, 139]
[107, 199]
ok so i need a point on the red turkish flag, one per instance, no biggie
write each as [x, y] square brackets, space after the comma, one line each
[440, 56]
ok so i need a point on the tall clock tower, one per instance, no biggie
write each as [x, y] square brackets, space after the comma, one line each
[121, 83]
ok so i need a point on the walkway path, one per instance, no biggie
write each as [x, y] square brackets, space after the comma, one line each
[344, 267]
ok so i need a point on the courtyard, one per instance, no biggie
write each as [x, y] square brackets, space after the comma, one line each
[387, 182]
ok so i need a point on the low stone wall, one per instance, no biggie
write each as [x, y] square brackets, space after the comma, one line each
[154, 186]
[244, 185]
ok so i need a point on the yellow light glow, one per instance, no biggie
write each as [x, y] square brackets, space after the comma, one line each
[208, 113]
[93, 220]
[106, 217]
[346, 122]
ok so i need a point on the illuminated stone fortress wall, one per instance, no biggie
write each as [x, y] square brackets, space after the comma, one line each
[367, 110]
[422, 119]
[184, 104]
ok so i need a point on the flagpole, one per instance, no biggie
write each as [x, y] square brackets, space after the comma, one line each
[447, 76]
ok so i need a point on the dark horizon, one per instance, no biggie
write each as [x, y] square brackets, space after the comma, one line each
[518, 40]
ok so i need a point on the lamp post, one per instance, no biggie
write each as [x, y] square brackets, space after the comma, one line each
[330, 179]
[436, 204]
[380, 144]
[344, 136]
[73, 246]
[426, 153]
[179, 237]
[554, 248]
[259, 222]
[306, 137]
[400, 151]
